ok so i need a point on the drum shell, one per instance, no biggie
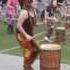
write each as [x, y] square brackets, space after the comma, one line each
[67, 22]
[50, 59]
[67, 26]
[60, 36]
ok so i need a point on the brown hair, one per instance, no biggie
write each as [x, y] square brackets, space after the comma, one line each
[27, 3]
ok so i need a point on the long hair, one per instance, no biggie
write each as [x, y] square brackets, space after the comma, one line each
[51, 8]
[24, 3]
[21, 3]
[61, 1]
[27, 3]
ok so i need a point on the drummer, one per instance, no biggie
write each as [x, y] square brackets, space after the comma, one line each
[50, 19]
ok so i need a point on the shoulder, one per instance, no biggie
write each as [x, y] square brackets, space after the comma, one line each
[24, 13]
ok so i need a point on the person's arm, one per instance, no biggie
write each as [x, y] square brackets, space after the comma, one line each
[22, 17]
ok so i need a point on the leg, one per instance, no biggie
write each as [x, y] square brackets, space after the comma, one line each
[49, 32]
[9, 23]
[9, 28]
[27, 59]
[12, 26]
[30, 55]
[30, 51]
[12, 23]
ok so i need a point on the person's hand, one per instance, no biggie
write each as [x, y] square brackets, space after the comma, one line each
[29, 38]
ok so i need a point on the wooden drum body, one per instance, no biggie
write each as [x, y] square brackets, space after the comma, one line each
[67, 25]
[60, 35]
[50, 57]
[67, 22]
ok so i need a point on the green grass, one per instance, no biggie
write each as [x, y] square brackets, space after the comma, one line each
[66, 51]
[9, 41]
[6, 40]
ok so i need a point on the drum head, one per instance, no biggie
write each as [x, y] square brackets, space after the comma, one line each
[60, 28]
[50, 47]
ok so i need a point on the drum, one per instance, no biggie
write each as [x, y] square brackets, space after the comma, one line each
[60, 35]
[67, 22]
[50, 57]
[67, 25]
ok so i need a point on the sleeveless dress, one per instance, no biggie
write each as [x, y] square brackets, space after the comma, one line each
[30, 48]
[28, 27]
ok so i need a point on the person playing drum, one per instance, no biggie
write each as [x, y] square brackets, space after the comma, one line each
[24, 33]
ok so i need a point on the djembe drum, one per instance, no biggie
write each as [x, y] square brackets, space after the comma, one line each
[50, 57]
[67, 22]
[60, 35]
[67, 25]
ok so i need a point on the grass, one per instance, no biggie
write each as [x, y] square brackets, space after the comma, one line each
[9, 41]
[6, 40]
[66, 51]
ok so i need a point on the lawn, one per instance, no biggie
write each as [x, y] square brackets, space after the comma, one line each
[8, 41]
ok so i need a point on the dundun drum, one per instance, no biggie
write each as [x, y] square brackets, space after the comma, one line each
[60, 35]
[50, 57]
